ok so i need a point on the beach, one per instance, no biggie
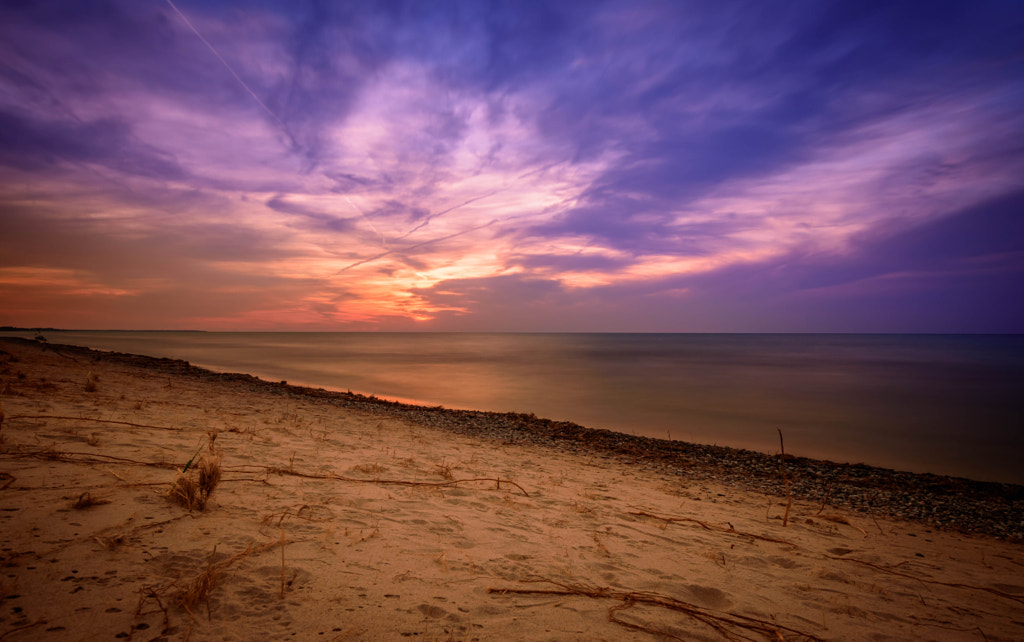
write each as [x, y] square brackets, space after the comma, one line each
[331, 516]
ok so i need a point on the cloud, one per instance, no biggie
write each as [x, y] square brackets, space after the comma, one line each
[320, 220]
[613, 165]
[32, 144]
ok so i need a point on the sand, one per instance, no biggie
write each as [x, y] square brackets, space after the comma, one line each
[334, 524]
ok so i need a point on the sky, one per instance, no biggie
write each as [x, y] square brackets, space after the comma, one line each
[513, 166]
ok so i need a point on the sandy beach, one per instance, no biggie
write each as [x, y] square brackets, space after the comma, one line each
[324, 516]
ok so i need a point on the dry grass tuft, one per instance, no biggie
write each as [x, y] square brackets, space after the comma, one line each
[209, 474]
[185, 492]
[445, 471]
[369, 469]
[85, 500]
[248, 431]
[580, 508]
[194, 492]
[198, 590]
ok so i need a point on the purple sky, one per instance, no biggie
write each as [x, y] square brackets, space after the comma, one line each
[520, 166]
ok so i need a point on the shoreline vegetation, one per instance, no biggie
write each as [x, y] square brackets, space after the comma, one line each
[146, 496]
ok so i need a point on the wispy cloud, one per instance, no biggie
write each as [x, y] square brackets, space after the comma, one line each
[606, 166]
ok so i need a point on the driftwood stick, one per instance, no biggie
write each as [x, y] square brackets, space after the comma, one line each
[96, 458]
[728, 624]
[401, 482]
[785, 479]
[712, 527]
[87, 458]
[384, 482]
[99, 421]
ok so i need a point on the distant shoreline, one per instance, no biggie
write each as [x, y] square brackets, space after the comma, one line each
[555, 332]
[8, 328]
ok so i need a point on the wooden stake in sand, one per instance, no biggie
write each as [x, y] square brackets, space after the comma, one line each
[785, 478]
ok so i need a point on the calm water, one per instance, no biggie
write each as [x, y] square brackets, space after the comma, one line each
[928, 403]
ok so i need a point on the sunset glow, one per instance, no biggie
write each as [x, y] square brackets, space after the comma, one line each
[578, 166]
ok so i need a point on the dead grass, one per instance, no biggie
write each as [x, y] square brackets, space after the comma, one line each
[445, 471]
[198, 590]
[248, 431]
[185, 492]
[582, 509]
[193, 492]
[369, 469]
[209, 474]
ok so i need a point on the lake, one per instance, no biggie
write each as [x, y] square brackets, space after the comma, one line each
[946, 404]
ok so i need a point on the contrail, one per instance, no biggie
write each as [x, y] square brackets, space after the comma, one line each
[416, 246]
[287, 132]
[383, 241]
[228, 67]
[430, 218]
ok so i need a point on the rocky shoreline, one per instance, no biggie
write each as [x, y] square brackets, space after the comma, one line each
[963, 505]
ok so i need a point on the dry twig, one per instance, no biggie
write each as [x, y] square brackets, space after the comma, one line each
[99, 421]
[384, 482]
[974, 587]
[711, 527]
[729, 625]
